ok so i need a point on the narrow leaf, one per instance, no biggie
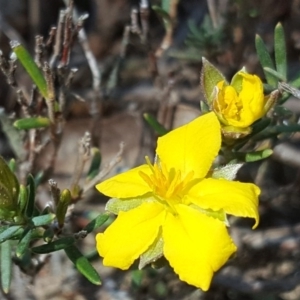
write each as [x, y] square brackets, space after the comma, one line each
[43, 220]
[31, 196]
[95, 163]
[83, 265]
[96, 223]
[31, 67]
[274, 73]
[55, 246]
[280, 51]
[22, 247]
[265, 60]
[32, 123]
[210, 77]
[9, 232]
[6, 266]
[259, 155]
[159, 129]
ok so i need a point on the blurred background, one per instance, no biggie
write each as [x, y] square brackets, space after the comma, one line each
[146, 65]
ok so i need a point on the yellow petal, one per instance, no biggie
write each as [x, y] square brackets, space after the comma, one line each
[126, 185]
[191, 147]
[236, 198]
[130, 235]
[196, 245]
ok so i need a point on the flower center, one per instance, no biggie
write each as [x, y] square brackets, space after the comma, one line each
[166, 184]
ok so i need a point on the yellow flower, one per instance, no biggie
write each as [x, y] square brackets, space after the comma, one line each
[240, 104]
[170, 208]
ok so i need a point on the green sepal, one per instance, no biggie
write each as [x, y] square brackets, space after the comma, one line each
[6, 266]
[32, 123]
[216, 214]
[96, 223]
[31, 196]
[210, 77]
[265, 60]
[153, 253]
[57, 245]
[237, 80]
[31, 67]
[116, 205]
[235, 133]
[83, 265]
[204, 108]
[62, 206]
[43, 220]
[23, 244]
[227, 172]
[95, 163]
[280, 51]
[159, 129]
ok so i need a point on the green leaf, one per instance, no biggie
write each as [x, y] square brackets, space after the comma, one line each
[159, 129]
[282, 111]
[97, 222]
[257, 127]
[31, 196]
[43, 220]
[32, 123]
[55, 246]
[9, 232]
[280, 51]
[265, 60]
[210, 77]
[95, 163]
[83, 265]
[6, 266]
[9, 191]
[274, 73]
[31, 67]
[23, 245]
[227, 172]
[258, 155]
[62, 206]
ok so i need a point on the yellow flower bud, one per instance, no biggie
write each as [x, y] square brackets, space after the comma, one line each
[239, 104]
